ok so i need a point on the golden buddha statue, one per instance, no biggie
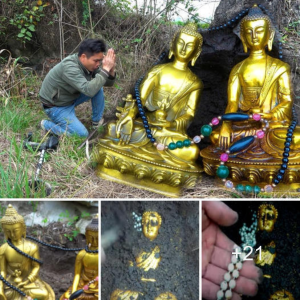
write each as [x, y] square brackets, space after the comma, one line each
[282, 295]
[16, 268]
[151, 222]
[260, 85]
[267, 216]
[135, 148]
[86, 267]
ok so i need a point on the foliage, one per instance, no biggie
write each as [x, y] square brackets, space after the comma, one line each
[22, 18]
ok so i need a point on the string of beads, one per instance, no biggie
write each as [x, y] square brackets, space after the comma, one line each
[61, 248]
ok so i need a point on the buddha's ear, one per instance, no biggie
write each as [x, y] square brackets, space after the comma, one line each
[271, 39]
[193, 61]
[244, 45]
[171, 53]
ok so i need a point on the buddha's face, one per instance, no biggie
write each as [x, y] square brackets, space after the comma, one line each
[267, 218]
[92, 239]
[151, 225]
[256, 34]
[185, 47]
[282, 295]
[14, 232]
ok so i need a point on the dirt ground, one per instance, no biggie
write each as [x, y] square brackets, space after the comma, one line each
[284, 271]
[178, 239]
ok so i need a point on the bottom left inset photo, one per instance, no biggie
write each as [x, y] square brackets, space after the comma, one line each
[49, 250]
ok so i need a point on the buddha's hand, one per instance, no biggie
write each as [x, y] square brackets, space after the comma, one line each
[266, 116]
[162, 123]
[224, 136]
[124, 128]
[21, 284]
[217, 251]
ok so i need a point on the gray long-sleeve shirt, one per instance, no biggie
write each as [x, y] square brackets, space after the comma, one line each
[68, 79]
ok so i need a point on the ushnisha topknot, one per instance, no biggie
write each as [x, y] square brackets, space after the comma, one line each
[11, 217]
[93, 226]
[147, 214]
[254, 14]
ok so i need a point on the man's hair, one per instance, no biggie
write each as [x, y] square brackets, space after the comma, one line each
[89, 47]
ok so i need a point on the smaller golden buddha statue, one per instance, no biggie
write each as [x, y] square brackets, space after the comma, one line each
[19, 270]
[86, 267]
[282, 295]
[267, 216]
[136, 149]
[259, 86]
[146, 260]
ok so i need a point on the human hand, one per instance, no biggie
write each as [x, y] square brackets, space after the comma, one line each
[224, 136]
[109, 61]
[217, 251]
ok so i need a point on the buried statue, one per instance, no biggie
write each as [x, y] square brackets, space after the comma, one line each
[20, 263]
[146, 261]
[258, 137]
[147, 147]
[85, 282]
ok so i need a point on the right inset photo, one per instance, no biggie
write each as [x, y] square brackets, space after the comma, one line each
[250, 250]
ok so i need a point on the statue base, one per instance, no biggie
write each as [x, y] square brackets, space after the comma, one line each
[250, 170]
[121, 167]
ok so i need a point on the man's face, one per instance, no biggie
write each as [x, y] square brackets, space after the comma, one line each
[266, 219]
[150, 226]
[92, 63]
[185, 47]
[256, 34]
[14, 232]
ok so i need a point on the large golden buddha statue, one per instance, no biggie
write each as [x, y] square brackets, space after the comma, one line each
[259, 86]
[147, 146]
[146, 261]
[19, 264]
[86, 267]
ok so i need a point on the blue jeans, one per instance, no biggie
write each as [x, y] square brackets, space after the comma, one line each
[64, 120]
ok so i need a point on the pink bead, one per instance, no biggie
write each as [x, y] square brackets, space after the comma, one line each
[160, 147]
[86, 287]
[215, 121]
[256, 117]
[96, 278]
[268, 188]
[260, 134]
[224, 157]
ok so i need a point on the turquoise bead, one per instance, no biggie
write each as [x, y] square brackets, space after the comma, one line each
[256, 189]
[172, 146]
[240, 188]
[222, 172]
[186, 143]
[179, 144]
[206, 130]
[248, 189]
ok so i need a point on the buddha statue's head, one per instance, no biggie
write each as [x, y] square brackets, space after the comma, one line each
[91, 234]
[257, 30]
[13, 225]
[186, 44]
[282, 295]
[151, 222]
[267, 216]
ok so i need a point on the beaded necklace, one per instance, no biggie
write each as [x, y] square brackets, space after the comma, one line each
[206, 130]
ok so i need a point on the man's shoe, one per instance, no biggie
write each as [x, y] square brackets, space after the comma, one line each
[96, 125]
